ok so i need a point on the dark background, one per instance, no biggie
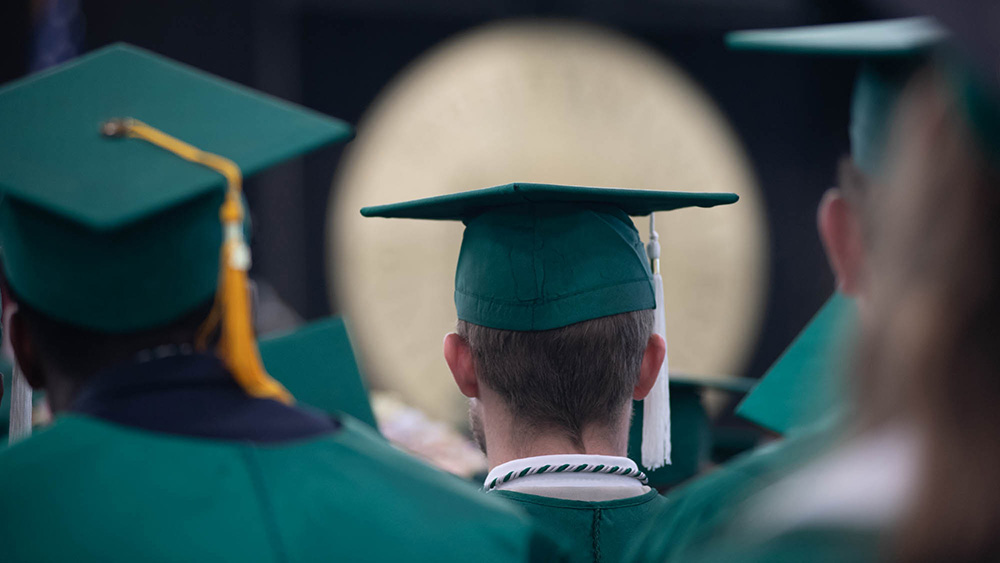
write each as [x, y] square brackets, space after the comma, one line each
[336, 55]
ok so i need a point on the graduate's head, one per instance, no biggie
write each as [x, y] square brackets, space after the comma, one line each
[62, 357]
[554, 293]
[564, 382]
[930, 362]
[122, 215]
[889, 53]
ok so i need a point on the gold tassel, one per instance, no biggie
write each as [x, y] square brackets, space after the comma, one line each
[237, 345]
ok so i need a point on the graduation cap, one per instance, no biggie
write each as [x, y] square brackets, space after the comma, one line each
[806, 384]
[538, 257]
[692, 436]
[889, 51]
[316, 364]
[116, 169]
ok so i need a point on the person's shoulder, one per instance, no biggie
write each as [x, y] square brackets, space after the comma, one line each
[36, 452]
[391, 465]
[706, 505]
[383, 502]
[435, 509]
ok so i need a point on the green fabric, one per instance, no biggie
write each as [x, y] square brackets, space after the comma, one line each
[316, 364]
[815, 545]
[806, 384]
[115, 234]
[538, 257]
[590, 531]
[701, 512]
[466, 205]
[86, 490]
[891, 50]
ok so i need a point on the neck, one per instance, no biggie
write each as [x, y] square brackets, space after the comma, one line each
[507, 441]
[60, 392]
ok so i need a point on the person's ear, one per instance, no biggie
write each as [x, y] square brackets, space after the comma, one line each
[26, 352]
[649, 371]
[840, 230]
[458, 355]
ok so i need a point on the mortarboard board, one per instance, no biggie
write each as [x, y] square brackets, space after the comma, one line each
[890, 50]
[538, 257]
[692, 436]
[120, 235]
[806, 383]
[316, 364]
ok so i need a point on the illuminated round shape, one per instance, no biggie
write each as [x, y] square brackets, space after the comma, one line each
[551, 103]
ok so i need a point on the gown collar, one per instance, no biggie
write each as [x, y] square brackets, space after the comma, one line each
[179, 391]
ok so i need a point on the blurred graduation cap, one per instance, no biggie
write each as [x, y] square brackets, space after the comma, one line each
[692, 434]
[806, 384]
[973, 61]
[116, 170]
[316, 364]
[973, 23]
[539, 257]
[889, 52]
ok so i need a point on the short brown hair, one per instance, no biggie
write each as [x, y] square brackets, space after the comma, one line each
[567, 378]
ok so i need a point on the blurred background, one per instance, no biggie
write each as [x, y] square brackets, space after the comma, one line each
[629, 93]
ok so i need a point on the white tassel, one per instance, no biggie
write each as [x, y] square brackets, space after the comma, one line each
[656, 406]
[20, 408]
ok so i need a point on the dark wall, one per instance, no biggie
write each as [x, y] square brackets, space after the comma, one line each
[15, 26]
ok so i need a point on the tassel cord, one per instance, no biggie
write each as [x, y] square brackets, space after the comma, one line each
[231, 309]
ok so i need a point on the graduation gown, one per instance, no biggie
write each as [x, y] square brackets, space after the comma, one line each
[592, 531]
[704, 509]
[170, 461]
[833, 544]
[838, 506]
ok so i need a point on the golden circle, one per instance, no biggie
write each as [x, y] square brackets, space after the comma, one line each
[546, 102]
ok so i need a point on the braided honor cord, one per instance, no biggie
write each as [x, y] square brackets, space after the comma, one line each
[570, 468]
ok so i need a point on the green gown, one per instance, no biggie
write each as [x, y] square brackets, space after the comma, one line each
[820, 544]
[591, 531]
[800, 397]
[702, 510]
[89, 490]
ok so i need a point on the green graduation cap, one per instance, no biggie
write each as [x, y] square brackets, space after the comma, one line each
[692, 435]
[316, 364]
[538, 257]
[890, 51]
[118, 235]
[806, 384]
